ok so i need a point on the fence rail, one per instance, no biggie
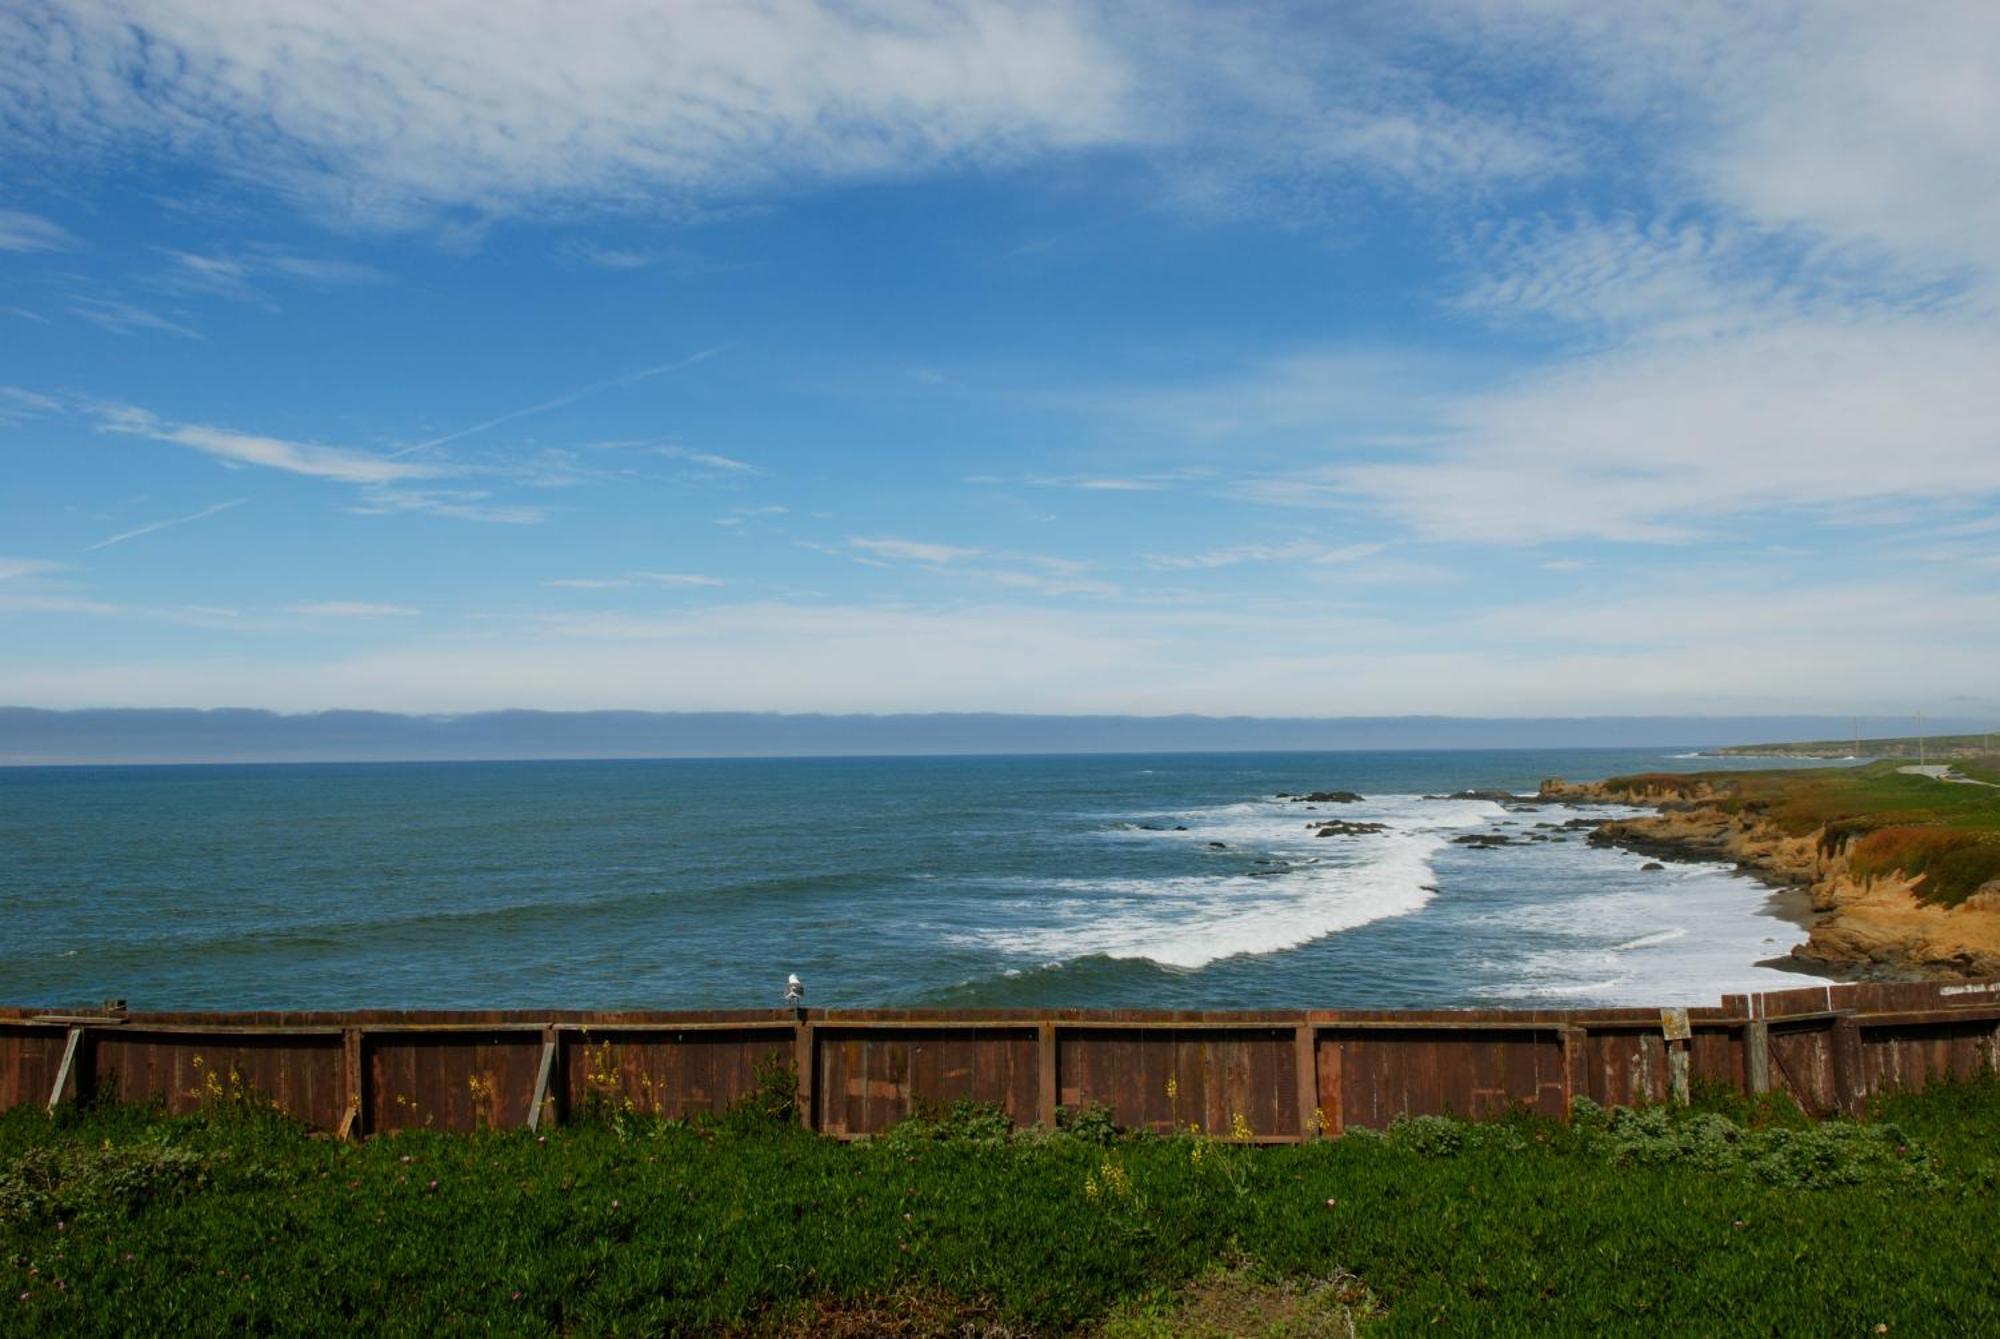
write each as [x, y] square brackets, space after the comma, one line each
[1271, 1076]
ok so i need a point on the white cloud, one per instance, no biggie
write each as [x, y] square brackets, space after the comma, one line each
[233, 275]
[676, 580]
[386, 109]
[1298, 551]
[706, 459]
[14, 568]
[125, 318]
[210, 617]
[911, 550]
[471, 110]
[351, 609]
[241, 448]
[31, 232]
[1715, 649]
[1663, 441]
[462, 504]
[1048, 582]
[17, 403]
[1855, 123]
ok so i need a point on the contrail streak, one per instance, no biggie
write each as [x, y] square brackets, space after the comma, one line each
[644, 374]
[162, 525]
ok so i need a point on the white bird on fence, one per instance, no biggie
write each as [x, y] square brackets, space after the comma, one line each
[795, 990]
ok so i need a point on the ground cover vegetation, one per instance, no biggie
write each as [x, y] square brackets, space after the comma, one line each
[1909, 748]
[1726, 1218]
[1947, 834]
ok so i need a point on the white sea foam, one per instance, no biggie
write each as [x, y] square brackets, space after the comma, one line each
[1705, 930]
[1323, 885]
[1653, 940]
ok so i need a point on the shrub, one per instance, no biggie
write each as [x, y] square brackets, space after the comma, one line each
[964, 1121]
[60, 1180]
[1428, 1136]
[1950, 864]
[1092, 1123]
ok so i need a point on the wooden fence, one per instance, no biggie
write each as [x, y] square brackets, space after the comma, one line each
[1280, 1076]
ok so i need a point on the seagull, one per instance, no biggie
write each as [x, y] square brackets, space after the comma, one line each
[795, 989]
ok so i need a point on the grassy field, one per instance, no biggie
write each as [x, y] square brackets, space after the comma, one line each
[1947, 832]
[1907, 748]
[1723, 1220]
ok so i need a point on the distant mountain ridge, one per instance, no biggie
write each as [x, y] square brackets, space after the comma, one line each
[30, 735]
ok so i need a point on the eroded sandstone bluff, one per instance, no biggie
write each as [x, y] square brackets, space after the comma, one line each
[1876, 927]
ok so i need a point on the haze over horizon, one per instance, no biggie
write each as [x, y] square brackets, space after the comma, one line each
[33, 737]
[1454, 358]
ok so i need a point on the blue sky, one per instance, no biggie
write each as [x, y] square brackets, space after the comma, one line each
[1456, 357]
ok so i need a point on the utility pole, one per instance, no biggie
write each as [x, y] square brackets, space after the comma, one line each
[1921, 759]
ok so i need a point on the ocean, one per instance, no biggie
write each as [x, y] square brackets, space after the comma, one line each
[1170, 881]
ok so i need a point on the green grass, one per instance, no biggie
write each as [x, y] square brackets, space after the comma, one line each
[1735, 1219]
[1947, 834]
[1906, 748]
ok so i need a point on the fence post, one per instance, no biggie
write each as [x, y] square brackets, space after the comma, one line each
[802, 1065]
[1045, 1072]
[550, 1048]
[1679, 1035]
[1576, 1059]
[1305, 1048]
[351, 1082]
[1850, 1086]
[67, 1070]
[1333, 1091]
[1757, 1056]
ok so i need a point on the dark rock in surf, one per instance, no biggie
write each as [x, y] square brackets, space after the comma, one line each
[1326, 797]
[1344, 828]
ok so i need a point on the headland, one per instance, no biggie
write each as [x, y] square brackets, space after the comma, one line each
[1900, 865]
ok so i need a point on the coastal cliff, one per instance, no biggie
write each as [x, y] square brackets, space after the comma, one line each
[1894, 899]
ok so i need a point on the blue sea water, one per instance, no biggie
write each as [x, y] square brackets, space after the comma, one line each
[881, 881]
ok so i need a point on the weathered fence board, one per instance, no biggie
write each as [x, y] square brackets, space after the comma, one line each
[1271, 1076]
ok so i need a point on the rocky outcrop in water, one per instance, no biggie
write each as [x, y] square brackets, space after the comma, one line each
[1344, 828]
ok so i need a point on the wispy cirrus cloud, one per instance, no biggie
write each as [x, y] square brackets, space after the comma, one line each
[668, 580]
[12, 569]
[243, 448]
[351, 609]
[461, 504]
[1300, 551]
[18, 403]
[237, 275]
[128, 318]
[20, 231]
[738, 515]
[911, 550]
